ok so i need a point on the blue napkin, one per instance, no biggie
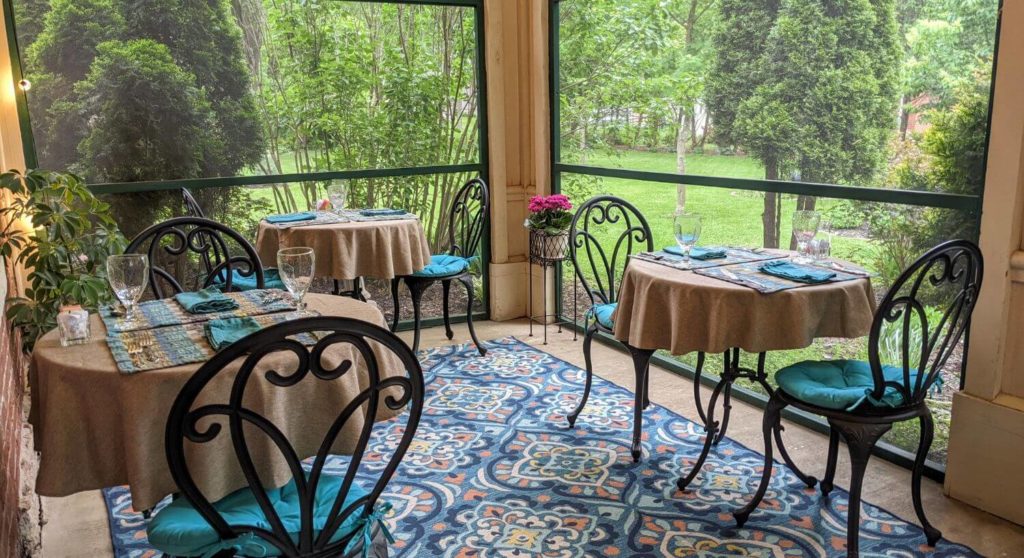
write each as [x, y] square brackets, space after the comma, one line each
[205, 301]
[291, 217]
[221, 333]
[797, 272]
[699, 253]
[383, 212]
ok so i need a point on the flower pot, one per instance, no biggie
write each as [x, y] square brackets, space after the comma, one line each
[546, 247]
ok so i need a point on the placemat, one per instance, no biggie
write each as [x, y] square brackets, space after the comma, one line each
[732, 256]
[167, 311]
[322, 218]
[749, 275]
[355, 216]
[164, 347]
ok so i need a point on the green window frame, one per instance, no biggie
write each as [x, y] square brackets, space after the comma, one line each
[972, 204]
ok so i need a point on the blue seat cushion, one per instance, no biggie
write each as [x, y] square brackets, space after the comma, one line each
[443, 265]
[840, 384]
[179, 530]
[271, 280]
[604, 314]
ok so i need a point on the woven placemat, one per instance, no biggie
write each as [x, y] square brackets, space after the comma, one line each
[732, 256]
[750, 275]
[167, 311]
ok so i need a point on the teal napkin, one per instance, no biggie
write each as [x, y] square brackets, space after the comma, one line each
[291, 217]
[205, 301]
[383, 212]
[797, 272]
[699, 253]
[221, 333]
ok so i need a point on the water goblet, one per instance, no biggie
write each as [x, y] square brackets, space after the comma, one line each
[128, 275]
[296, 266]
[686, 227]
[337, 194]
[805, 226]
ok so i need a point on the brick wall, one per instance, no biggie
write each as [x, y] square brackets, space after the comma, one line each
[11, 394]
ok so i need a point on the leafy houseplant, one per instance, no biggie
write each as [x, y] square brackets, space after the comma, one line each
[549, 221]
[65, 252]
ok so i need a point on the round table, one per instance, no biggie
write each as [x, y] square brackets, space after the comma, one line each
[96, 427]
[348, 251]
[682, 311]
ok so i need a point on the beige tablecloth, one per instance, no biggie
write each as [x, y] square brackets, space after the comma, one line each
[96, 427]
[381, 249]
[683, 312]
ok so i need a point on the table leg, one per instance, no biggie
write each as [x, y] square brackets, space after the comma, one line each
[641, 368]
[711, 428]
[809, 480]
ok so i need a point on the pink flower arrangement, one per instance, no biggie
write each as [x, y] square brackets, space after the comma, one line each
[553, 202]
[551, 214]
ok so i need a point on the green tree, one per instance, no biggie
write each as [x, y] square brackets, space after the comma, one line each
[824, 95]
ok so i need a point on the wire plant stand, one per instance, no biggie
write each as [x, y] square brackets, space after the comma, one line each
[547, 251]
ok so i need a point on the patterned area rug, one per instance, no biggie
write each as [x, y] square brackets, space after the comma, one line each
[494, 472]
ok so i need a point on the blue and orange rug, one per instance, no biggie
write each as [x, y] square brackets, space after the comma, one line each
[494, 472]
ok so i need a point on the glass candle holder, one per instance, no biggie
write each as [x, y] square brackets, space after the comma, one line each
[73, 324]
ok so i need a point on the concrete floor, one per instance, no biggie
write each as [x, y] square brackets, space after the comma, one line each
[76, 526]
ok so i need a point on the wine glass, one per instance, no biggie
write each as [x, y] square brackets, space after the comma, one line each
[128, 275]
[686, 227]
[337, 194]
[821, 247]
[805, 226]
[296, 266]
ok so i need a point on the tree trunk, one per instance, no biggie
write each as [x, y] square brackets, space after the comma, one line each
[681, 140]
[770, 217]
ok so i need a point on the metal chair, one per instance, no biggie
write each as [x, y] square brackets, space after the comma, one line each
[316, 514]
[174, 240]
[875, 395]
[192, 207]
[466, 225]
[604, 267]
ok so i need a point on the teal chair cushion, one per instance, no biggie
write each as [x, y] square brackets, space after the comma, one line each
[840, 384]
[605, 314]
[443, 265]
[271, 280]
[179, 530]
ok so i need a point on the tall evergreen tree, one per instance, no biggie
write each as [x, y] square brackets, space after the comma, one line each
[826, 93]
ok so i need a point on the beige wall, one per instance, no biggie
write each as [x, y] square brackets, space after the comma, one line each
[986, 449]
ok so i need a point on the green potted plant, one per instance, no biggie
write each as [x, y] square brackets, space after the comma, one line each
[65, 251]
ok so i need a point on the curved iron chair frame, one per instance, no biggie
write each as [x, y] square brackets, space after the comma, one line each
[183, 424]
[956, 263]
[467, 218]
[601, 212]
[192, 207]
[201, 236]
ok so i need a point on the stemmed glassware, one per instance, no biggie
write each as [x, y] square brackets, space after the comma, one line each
[337, 194]
[296, 266]
[686, 227]
[128, 275]
[805, 226]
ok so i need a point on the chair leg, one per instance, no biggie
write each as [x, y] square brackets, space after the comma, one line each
[772, 418]
[467, 280]
[416, 289]
[830, 468]
[588, 339]
[860, 440]
[447, 286]
[927, 434]
[394, 300]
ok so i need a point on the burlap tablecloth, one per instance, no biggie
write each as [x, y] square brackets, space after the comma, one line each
[381, 249]
[96, 427]
[683, 312]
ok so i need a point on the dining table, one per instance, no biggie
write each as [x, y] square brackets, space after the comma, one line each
[97, 425]
[350, 246]
[726, 306]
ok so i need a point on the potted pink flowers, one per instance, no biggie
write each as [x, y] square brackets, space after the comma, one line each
[549, 221]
